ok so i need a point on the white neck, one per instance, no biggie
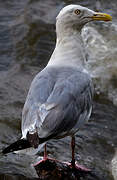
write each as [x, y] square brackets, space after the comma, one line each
[69, 50]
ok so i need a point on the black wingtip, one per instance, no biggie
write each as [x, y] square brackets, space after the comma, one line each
[16, 146]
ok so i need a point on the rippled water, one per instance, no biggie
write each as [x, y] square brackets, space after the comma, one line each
[27, 39]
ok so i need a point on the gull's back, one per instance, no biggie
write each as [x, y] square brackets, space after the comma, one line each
[58, 103]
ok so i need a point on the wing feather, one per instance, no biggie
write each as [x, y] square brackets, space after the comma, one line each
[56, 103]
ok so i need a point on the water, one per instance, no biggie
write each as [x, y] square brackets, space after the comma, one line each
[27, 39]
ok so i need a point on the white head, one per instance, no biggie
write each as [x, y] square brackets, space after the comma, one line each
[69, 45]
[75, 17]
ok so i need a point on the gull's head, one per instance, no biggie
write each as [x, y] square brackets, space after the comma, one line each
[76, 16]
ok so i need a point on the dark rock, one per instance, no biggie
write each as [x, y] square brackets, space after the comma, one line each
[51, 170]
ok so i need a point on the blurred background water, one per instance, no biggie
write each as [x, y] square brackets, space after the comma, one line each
[27, 39]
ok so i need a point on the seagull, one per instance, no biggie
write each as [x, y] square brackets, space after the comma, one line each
[59, 101]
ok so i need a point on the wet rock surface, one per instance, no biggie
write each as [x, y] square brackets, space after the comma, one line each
[27, 39]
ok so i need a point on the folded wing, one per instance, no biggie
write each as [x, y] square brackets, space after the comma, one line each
[57, 105]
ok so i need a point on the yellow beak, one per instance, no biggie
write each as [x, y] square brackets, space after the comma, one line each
[102, 17]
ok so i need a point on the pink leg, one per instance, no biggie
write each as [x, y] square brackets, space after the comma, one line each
[45, 152]
[73, 164]
[44, 157]
[73, 149]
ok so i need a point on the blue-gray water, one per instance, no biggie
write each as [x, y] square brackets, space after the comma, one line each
[27, 39]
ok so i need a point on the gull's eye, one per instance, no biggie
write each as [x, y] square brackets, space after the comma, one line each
[77, 11]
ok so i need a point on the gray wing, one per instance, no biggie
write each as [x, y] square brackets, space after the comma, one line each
[39, 91]
[56, 105]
